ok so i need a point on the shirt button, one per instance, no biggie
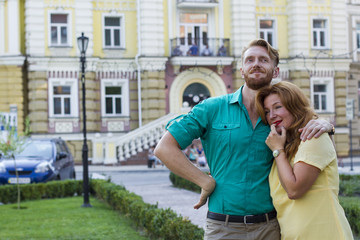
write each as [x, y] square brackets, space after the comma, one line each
[225, 126]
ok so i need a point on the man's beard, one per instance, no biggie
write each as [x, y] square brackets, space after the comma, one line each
[256, 84]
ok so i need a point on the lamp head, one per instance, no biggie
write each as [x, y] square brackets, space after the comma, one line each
[82, 43]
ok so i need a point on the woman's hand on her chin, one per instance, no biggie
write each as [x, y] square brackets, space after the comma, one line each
[276, 141]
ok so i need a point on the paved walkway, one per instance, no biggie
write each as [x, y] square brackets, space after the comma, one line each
[180, 200]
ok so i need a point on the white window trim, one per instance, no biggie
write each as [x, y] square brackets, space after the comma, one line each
[122, 30]
[274, 29]
[74, 101]
[125, 103]
[329, 82]
[69, 28]
[327, 35]
[355, 19]
[210, 24]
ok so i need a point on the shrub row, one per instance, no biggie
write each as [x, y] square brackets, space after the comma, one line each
[159, 223]
[180, 182]
[349, 185]
[53, 189]
[349, 196]
[351, 207]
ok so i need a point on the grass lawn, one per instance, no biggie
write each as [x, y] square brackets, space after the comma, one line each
[65, 219]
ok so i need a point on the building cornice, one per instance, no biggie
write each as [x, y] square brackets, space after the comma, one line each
[202, 61]
[11, 60]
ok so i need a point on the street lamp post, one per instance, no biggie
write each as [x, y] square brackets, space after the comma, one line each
[83, 44]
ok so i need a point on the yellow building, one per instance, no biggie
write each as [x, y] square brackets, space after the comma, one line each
[148, 60]
[12, 60]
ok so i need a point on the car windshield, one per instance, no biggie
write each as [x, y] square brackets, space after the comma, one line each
[36, 149]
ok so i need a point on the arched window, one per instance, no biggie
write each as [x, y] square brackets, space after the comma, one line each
[194, 93]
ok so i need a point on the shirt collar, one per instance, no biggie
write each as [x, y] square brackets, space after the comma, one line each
[237, 96]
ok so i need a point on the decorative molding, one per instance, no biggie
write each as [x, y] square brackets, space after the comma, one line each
[117, 74]
[59, 4]
[201, 75]
[113, 5]
[11, 60]
[153, 64]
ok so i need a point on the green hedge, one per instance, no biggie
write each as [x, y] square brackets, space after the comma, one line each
[349, 196]
[180, 182]
[351, 207]
[53, 189]
[158, 223]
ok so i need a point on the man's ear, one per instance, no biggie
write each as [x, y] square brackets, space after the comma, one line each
[242, 72]
[276, 72]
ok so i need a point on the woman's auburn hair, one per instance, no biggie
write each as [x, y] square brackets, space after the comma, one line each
[295, 101]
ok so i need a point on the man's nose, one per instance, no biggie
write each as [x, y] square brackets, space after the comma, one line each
[256, 62]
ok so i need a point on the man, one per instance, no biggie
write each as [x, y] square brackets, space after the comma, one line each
[233, 137]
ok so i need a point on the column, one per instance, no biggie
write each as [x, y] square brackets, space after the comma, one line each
[13, 28]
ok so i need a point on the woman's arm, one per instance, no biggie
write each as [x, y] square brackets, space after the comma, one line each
[298, 180]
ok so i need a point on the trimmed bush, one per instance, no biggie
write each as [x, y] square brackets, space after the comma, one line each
[158, 223]
[351, 207]
[53, 189]
[180, 182]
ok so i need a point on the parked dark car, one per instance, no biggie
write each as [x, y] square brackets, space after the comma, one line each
[41, 160]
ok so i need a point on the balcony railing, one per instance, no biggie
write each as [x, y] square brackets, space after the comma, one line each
[197, 1]
[206, 47]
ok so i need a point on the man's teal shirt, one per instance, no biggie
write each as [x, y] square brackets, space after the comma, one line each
[237, 155]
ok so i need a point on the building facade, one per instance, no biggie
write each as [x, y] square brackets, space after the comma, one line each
[353, 10]
[150, 58]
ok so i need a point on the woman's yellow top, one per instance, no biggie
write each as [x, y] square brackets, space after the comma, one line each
[317, 214]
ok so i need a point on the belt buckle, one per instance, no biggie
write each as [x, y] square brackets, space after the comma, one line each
[246, 217]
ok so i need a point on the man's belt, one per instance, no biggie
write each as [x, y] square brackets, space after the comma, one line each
[242, 219]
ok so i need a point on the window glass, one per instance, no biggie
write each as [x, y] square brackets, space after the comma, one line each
[359, 96]
[58, 18]
[193, 18]
[320, 88]
[108, 105]
[195, 93]
[118, 105]
[62, 90]
[62, 104]
[112, 32]
[107, 37]
[117, 37]
[112, 21]
[67, 106]
[358, 35]
[320, 102]
[266, 24]
[63, 35]
[57, 105]
[114, 97]
[319, 33]
[267, 30]
[113, 90]
[59, 29]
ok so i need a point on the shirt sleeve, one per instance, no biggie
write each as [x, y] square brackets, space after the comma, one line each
[318, 152]
[190, 126]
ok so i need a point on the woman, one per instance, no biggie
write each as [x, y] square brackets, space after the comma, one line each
[304, 180]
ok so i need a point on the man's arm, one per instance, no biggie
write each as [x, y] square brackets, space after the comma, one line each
[314, 128]
[169, 152]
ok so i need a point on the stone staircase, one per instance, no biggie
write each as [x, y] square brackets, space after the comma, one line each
[113, 150]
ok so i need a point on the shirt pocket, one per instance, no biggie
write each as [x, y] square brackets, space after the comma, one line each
[219, 138]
